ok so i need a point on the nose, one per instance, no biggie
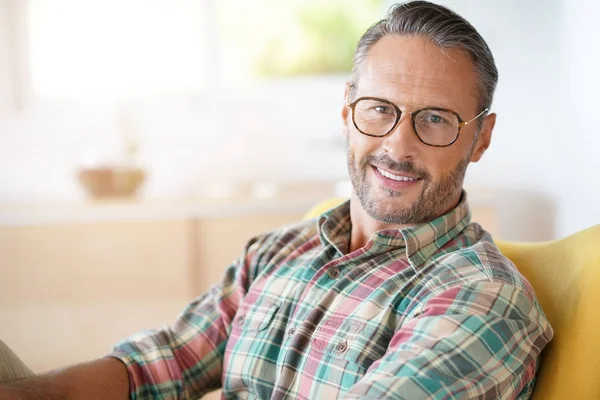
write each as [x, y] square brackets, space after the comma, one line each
[402, 142]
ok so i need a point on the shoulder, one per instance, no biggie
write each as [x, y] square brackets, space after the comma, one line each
[474, 278]
[275, 246]
[474, 258]
[287, 236]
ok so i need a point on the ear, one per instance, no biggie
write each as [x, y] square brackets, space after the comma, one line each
[484, 138]
[346, 109]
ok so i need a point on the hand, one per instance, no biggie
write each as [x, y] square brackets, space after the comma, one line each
[103, 379]
[7, 393]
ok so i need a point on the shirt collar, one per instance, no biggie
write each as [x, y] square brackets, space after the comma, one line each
[421, 241]
[334, 227]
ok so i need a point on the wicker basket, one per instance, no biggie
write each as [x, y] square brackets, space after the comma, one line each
[111, 182]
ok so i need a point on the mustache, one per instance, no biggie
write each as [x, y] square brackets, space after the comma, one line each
[386, 162]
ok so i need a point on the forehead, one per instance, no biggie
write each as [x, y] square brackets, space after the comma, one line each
[413, 71]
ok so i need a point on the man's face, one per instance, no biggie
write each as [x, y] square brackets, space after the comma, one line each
[398, 179]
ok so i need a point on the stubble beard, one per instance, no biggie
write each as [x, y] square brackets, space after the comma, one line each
[435, 197]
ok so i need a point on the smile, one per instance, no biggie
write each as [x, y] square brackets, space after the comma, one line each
[396, 177]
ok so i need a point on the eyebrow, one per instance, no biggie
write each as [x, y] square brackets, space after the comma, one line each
[440, 104]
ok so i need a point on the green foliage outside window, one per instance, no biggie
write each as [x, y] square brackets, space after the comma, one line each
[295, 37]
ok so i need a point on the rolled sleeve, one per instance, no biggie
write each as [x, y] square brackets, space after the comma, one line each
[185, 359]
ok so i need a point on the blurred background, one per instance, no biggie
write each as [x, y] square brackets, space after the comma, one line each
[206, 93]
[143, 141]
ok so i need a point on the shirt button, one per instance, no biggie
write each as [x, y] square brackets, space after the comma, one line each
[240, 320]
[292, 332]
[342, 347]
[333, 273]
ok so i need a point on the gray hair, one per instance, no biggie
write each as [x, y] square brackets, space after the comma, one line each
[445, 29]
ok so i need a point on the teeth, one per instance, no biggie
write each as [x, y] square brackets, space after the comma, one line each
[395, 177]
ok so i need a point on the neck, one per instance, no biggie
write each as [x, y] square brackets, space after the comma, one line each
[364, 226]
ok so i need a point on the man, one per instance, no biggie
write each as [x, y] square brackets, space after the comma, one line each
[394, 294]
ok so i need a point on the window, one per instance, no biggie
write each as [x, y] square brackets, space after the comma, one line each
[124, 48]
[115, 48]
[274, 38]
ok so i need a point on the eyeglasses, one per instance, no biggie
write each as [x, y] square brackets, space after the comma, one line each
[436, 127]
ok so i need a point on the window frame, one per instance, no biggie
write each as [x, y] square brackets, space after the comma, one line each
[16, 71]
[213, 86]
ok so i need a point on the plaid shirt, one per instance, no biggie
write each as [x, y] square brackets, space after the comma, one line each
[428, 312]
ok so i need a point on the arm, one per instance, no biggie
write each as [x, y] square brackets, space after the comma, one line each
[480, 340]
[182, 360]
[185, 359]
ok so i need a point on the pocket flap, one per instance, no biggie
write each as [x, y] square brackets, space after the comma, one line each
[257, 317]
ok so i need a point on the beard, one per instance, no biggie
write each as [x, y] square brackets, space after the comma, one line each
[434, 200]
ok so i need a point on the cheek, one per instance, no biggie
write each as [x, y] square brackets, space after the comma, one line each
[439, 164]
[362, 145]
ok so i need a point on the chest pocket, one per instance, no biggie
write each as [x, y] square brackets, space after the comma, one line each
[351, 341]
[257, 317]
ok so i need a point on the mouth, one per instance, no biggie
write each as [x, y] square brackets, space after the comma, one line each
[396, 177]
[395, 181]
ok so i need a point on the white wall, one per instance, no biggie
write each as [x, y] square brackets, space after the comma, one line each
[580, 157]
[185, 143]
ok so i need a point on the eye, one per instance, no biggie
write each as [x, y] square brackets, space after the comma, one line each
[436, 119]
[384, 109]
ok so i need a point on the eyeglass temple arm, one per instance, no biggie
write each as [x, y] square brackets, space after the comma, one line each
[474, 118]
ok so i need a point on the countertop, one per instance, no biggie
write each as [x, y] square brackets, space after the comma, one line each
[216, 202]
[262, 199]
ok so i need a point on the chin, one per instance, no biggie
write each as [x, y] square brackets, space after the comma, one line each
[388, 210]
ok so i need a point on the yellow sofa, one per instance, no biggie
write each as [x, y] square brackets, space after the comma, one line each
[566, 277]
[565, 274]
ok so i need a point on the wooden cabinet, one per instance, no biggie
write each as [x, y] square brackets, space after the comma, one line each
[69, 292]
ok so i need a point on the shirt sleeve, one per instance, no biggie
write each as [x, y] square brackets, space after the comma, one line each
[476, 341]
[185, 359]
